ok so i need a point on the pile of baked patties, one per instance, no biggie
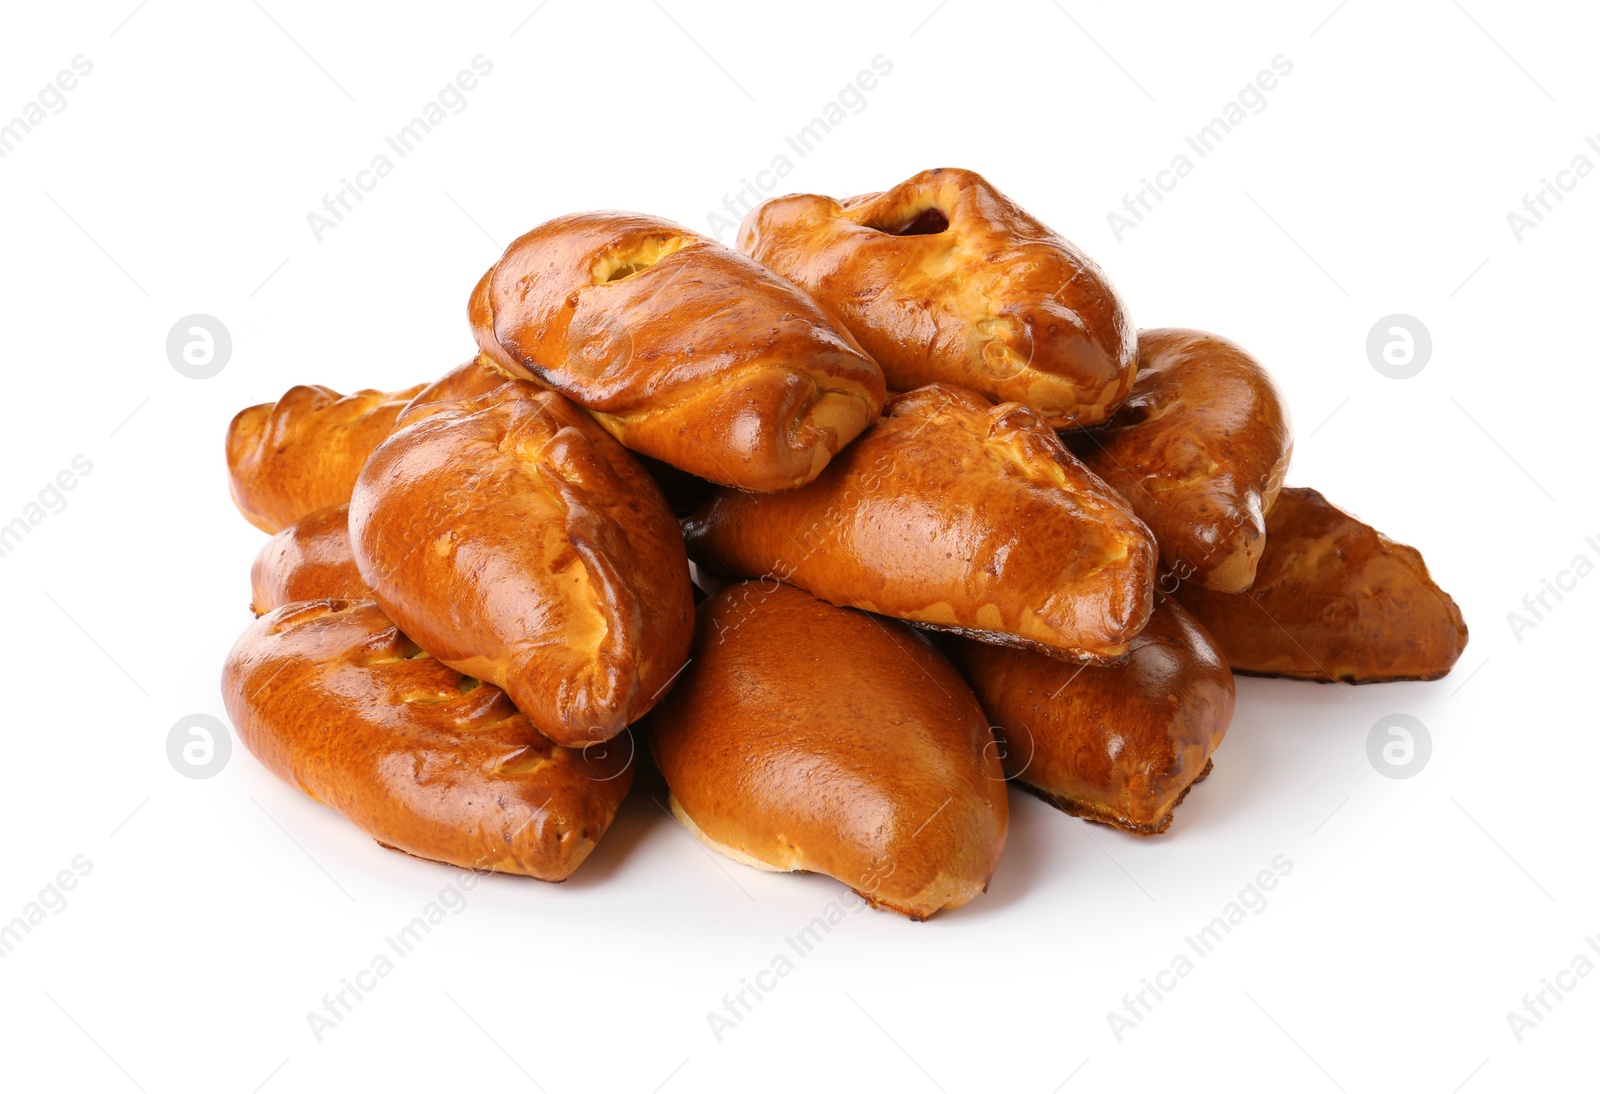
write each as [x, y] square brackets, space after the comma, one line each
[955, 524]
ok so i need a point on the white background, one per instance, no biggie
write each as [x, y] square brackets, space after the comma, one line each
[1377, 180]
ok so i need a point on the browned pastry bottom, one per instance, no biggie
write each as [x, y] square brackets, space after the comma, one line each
[442, 862]
[1014, 642]
[1101, 815]
[1342, 679]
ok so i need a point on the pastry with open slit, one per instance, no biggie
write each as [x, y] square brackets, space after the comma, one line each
[683, 349]
[943, 279]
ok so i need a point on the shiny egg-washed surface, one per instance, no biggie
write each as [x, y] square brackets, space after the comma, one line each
[309, 560]
[291, 458]
[478, 376]
[1199, 449]
[516, 541]
[1333, 599]
[334, 700]
[683, 349]
[1120, 744]
[954, 514]
[808, 737]
[943, 279]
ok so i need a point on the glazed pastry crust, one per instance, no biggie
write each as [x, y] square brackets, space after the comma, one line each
[479, 376]
[956, 515]
[309, 560]
[291, 458]
[808, 737]
[1333, 599]
[517, 542]
[1199, 449]
[333, 699]
[1094, 811]
[1119, 744]
[996, 302]
[683, 349]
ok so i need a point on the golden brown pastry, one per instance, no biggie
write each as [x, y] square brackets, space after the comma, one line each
[957, 515]
[683, 349]
[1119, 744]
[1333, 599]
[513, 539]
[1199, 450]
[478, 376]
[944, 280]
[309, 560]
[290, 458]
[333, 699]
[808, 737]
